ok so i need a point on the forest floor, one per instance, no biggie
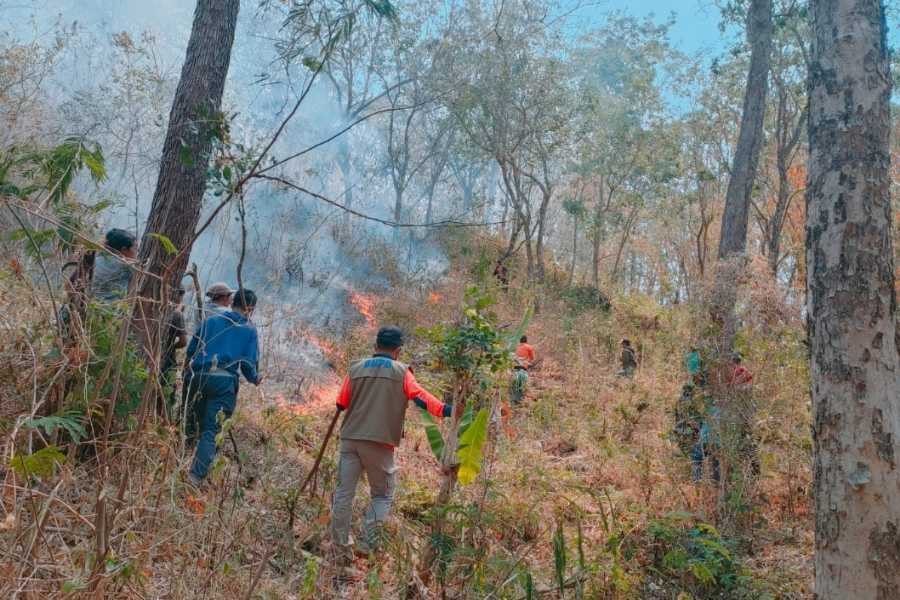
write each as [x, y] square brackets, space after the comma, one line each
[583, 473]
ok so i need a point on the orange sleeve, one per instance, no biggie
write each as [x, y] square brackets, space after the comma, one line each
[531, 353]
[343, 399]
[413, 390]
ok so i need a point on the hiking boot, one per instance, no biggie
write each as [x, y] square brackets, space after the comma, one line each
[342, 555]
[195, 482]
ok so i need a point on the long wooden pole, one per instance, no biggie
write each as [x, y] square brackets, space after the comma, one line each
[315, 467]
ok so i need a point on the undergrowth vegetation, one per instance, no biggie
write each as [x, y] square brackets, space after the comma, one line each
[579, 492]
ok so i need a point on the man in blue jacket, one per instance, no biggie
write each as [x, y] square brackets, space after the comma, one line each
[223, 347]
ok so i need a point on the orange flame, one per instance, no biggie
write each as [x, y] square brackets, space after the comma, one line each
[318, 398]
[366, 307]
[434, 298]
[322, 344]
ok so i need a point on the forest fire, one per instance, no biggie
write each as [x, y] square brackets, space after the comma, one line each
[434, 298]
[365, 304]
[326, 347]
[317, 398]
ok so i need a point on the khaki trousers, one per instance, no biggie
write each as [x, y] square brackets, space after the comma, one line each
[377, 460]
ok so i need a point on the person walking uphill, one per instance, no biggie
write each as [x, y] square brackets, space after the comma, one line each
[627, 360]
[523, 360]
[224, 347]
[375, 395]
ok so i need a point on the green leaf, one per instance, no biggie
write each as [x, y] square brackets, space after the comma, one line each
[95, 164]
[68, 422]
[72, 586]
[559, 558]
[312, 63]
[435, 439]
[470, 444]
[41, 463]
[528, 584]
[467, 418]
[513, 340]
[167, 244]
[702, 573]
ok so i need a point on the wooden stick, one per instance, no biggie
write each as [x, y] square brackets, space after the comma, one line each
[315, 466]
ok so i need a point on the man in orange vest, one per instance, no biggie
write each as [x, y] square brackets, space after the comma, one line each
[375, 396]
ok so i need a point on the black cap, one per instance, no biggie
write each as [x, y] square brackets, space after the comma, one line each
[389, 338]
[243, 298]
[120, 239]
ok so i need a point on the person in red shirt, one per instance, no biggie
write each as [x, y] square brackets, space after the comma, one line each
[374, 397]
[740, 375]
[525, 352]
[524, 360]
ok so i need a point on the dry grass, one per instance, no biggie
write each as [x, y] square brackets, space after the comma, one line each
[586, 449]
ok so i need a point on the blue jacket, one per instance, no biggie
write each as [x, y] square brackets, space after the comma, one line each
[228, 341]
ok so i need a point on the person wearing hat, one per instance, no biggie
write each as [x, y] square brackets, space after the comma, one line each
[223, 348]
[218, 299]
[112, 273]
[374, 396]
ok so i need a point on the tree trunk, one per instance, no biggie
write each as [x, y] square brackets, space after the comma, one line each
[750, 139]
[596, 239]
[737, 415]
[733, 239]
[626, 233]
[852, 304]
[574, 249]
[182, 171]
[541, 232]
[398, 210]
[788, 129]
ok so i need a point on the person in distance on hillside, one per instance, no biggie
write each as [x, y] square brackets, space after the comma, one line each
[501, 272]
[740, 375]
[375, 395]
[523, 360]
[223, 348]
[112, 273]
[525, 352]
[627, 359]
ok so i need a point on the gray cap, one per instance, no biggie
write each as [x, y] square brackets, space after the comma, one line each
[218, 289]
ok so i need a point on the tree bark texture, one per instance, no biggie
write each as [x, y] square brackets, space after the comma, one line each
[852, 304]
[182, 171]
[750, 139]
[575, 219]
[733, 238]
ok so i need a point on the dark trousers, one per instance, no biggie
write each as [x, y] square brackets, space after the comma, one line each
[699, 452]
[208, 395]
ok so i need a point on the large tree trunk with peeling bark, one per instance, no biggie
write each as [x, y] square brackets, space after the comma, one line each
[852, 305]
[733, 238]
[182, 171]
